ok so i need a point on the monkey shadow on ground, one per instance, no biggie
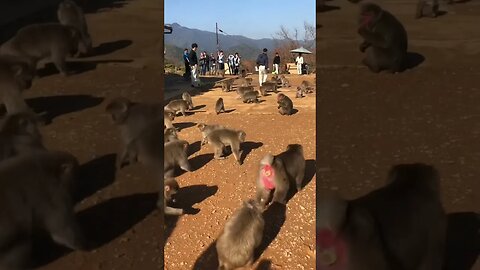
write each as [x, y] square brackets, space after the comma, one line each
[95, 175]
[414, 60]
[274, 217]
[198, 107]
[58, 105]
[264, 265]
[101, 224]
[94, 6]
[76, 67]
[229, 111]
[463, 240]
[248, 147]
[208, 259]
[194, 147]
[110, 47]
[186, 198]
[183, 125]
[199, 161]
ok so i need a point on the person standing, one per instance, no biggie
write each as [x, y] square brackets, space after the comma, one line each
[221, 63]
[276, 63]
[230, 64]
[186, 60]
[194, 65]
[236, 63]
[202, 63]
[207, 63]
[299, 62]
[213, 69]
[262, 62]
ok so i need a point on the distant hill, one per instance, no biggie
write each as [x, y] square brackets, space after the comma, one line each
[183, 37]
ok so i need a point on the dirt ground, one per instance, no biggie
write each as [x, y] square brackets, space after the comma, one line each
[217, 187]
[118, 209]
[368, 122]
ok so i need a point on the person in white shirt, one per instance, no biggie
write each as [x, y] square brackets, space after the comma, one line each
[299, 62]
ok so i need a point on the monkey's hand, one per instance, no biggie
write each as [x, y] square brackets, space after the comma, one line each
[363, 46]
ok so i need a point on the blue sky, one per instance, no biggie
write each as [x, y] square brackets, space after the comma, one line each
[251, 18]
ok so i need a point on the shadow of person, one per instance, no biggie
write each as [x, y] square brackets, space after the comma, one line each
[55, 106]
[463, 240]
[95, 175]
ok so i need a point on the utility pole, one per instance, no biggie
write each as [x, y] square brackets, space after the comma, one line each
[216, 32]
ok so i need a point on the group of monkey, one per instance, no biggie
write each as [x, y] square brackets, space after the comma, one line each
[38, 187]
[243, 232]
[402, 225]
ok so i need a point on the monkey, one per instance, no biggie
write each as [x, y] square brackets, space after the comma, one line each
[53, 41]
[175, 154]
[401, 225]
[227, 85]
[71, 14]
[19, 134]
[294, 163]
[427, 8]
[284, 81]
[243, 73]
[385, 39]
[206, 129]
[269, 86]
[244, 82]
[132, 118]
[219, 138]
[243, 89]
[306, 87]
[36, 194]
[242, 234]
[250, 97]
[170, 134]
[186, 96]
[15, 77]
[219, 106]
[177, 105]
[299, 93]
[168, 117]
[171, 188]
[285, 104]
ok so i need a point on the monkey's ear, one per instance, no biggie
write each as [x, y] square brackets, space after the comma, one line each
[167, 188]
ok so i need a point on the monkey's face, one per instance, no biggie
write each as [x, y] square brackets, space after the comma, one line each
[201, 127]
[280, 97]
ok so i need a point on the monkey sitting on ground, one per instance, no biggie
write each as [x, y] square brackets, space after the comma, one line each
[399, 226]
[285, 104]
[299, 93]
[278, 173]
[206, 129]
[168, 117]
[171, 188]
[306, 87]
[284, 81]
[53, 41]
[186, 96]
[219, 138]
[427, 8]
[36, 195]
[250, 97]
[15, 77]
[244, 82]
[71, 14]
[241, 235]
[170, 134]
[19, 134]
[385, 39]
[177, 105]
[227, 85]
[219, 106]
